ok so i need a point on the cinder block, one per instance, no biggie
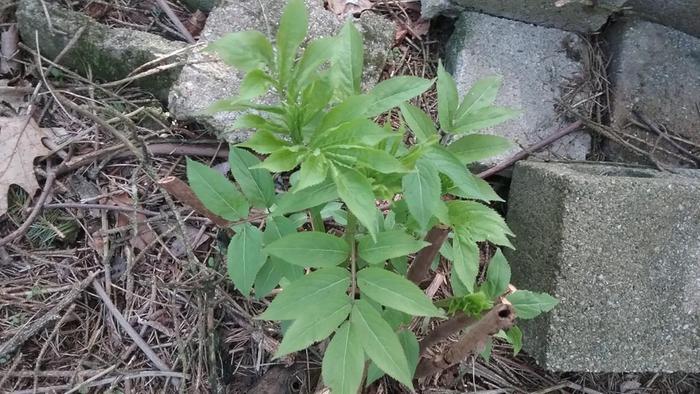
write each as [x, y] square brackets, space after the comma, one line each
[620, 247]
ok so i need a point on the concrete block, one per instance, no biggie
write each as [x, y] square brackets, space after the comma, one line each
[683, 15]
[654, 71]
[110, 53]
[533, 62]
[580, 16]
[620, 247]
[208, 79]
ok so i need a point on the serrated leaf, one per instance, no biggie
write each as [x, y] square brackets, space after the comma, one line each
[264, 142]
[394, 291]
[478, 222]
[466, 261]
[245, 50]
[301, 297]
[392, 92]
[348, 60]
[351, 108]
[310, 249]
[389, 245]
[484, 118]
[314, 169]
[343, 362]
[422, 192]
[484, 191]
[256, 184]
[529, 305]
[375, 159]
[497, 276]
[216, 192]
[353, 132]
[410, 347]
[515, 338]
[446, 163]
[356, 192]
[482, 94]
[311, 328]
[475, 147]
[245, 257]
[447, 98]
[418, 121]
[254, 84]
[307, 198]
[380, 342]
[292, 30]
[281, 160]
[318, 52]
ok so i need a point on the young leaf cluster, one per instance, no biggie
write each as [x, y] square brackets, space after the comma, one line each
[319, 132]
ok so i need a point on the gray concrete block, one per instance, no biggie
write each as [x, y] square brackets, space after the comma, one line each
[109, 53]
[580, 16]
[208, 79]
[533, 62]
[683, 15]
[620, 247]
[654, 71]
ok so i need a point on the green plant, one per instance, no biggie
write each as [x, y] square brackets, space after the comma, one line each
[356, 288]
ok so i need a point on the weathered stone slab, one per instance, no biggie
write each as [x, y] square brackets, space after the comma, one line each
[202, 5]
[683, 15]
[577, 15]
[208, 79]
[654, 71]
[620, 247]
[533, 63]
[109, 53]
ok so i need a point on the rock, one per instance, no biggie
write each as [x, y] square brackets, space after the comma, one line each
[208, 79]
[533, 63]
[576, 15]
[654, 71]
[202, 5]
[109, 53]
[679, 14]
[619, 246]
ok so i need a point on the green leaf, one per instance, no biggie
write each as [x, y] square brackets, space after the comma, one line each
[447, 98]
[389, 245]
[354, 132]
[483, 191]
[418, 121]
[529, 305]
[488, 349]
[475, 147]
[245, 257]
[348, 59]
[257, 122]
[254, 84]
[483, 118]
[376, 159]
[291, 33]
[312, 328]
[269, 277]
[314, 169]
[350, 109]
[343, 362]
[264, 142]
[380, 342]
[310, 249]
[481, 95]
[245, 50]
[392, 92]
[281, 160]
[478, 222]
[306, 296]
[497, 276]
[216, 192]
[275, 269]
[394, 291]
[257, 184]
[466, 261]
[421, 191]
[356, 192]
[446, 163]
[515, 338]
[410, 347]
[306, 198]
[318, 51]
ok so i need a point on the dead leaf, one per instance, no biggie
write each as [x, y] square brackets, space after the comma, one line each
[344, 7]
[144, 234]
[196, 23]
[9, 39]
[97, 10]
[417, 29]
[21, 143]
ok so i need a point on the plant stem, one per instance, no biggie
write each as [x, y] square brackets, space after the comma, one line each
[316, 219]
[350, 231]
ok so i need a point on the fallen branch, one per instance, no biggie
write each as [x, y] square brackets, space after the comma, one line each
[500, 317]
[450, 326]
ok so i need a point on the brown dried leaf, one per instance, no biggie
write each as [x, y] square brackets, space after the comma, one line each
[344, 7]
[21, 143]
[144, 234]
[9, 39]
[196, 23]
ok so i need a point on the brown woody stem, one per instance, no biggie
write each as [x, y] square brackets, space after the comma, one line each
[445, 329]
[421, 264]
